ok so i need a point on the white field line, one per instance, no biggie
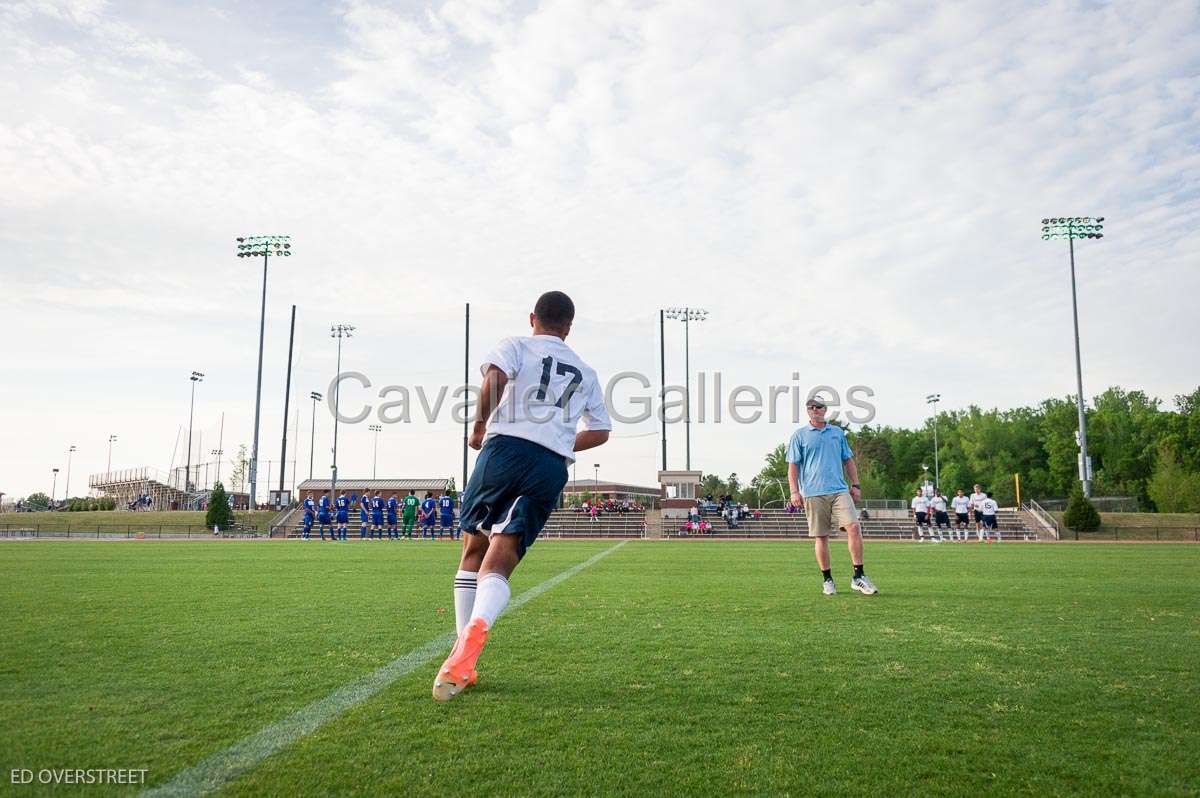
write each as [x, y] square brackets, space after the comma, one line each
[216, 770]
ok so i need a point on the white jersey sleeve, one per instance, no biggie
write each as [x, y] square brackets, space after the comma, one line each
[595, 412]
[506, 356]
[550, 390]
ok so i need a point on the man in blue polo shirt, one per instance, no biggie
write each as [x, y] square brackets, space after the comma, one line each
[816, 455]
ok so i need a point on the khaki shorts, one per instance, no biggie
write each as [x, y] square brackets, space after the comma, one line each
[828, 513]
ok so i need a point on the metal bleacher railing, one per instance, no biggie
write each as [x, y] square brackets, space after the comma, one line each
[1044, 518]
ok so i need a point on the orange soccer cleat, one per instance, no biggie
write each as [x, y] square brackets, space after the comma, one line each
[458, 671]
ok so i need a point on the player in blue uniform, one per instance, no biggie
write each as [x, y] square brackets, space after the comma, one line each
[377, 516]
[392, 505]
[342, 505]
[446, 505]
[429, 516]
[364, 513]
[310, 512]
[323, 518]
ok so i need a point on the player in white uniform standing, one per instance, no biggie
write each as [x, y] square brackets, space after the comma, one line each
[937, 506]
[535, 391]
[961, 505]
[920, 508]
[990, 508]
[977, 499]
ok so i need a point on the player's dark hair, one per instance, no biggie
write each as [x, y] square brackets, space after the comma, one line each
[555, 311]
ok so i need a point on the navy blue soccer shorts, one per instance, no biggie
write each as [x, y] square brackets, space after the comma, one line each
[342, 518]
[513, 490]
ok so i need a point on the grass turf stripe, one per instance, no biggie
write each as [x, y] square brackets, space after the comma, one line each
[220, 768]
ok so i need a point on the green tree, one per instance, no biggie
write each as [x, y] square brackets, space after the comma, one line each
[219, 512]
[237, 477]
[711, 484]
[38, 501]
[451, 490]
[1080, 515]
[1173, 488]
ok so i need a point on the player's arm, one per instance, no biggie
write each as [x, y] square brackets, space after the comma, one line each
[852, 472]
[489, 396]
[590, 439]
[794, 483]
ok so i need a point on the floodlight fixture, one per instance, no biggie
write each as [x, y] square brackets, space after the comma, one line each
[1057, 228]
[265, 247]
[686, 315]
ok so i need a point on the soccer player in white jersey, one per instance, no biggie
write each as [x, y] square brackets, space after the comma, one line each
[977, 499]
[941, 519]
[535, 392]
[961, 504]
[990, 509]
[920, 508]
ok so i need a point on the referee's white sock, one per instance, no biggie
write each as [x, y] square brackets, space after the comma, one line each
[464, 597]
[491, 598]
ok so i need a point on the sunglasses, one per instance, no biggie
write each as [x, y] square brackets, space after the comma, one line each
[815, 407]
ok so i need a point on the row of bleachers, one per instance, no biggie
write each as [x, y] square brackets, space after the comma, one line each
[567, 524]
[776, 522]
[772, 523]
[561, 524]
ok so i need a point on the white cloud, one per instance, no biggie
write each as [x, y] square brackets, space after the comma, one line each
[854, 193]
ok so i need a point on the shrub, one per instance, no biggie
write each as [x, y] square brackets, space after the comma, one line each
[219, 513]
[1081, 515]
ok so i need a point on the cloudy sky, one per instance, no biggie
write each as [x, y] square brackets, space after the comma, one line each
[853, 190]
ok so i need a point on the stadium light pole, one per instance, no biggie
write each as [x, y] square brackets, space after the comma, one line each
[287, 398]
[67, 492]
[53, 487]
[219, 454]
[662, 382]
[111, 439]
[265, 247]
[312, 441]
[933, 399]
[687, 315]
[338, 331]
[596, 478]
[1071, 228]
[187, 475]
[376, 428]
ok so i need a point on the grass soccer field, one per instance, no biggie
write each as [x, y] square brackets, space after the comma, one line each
[121, 520]
[660, 668]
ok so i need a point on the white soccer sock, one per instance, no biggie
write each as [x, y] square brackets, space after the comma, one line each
[464, 597]
[491, 598]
